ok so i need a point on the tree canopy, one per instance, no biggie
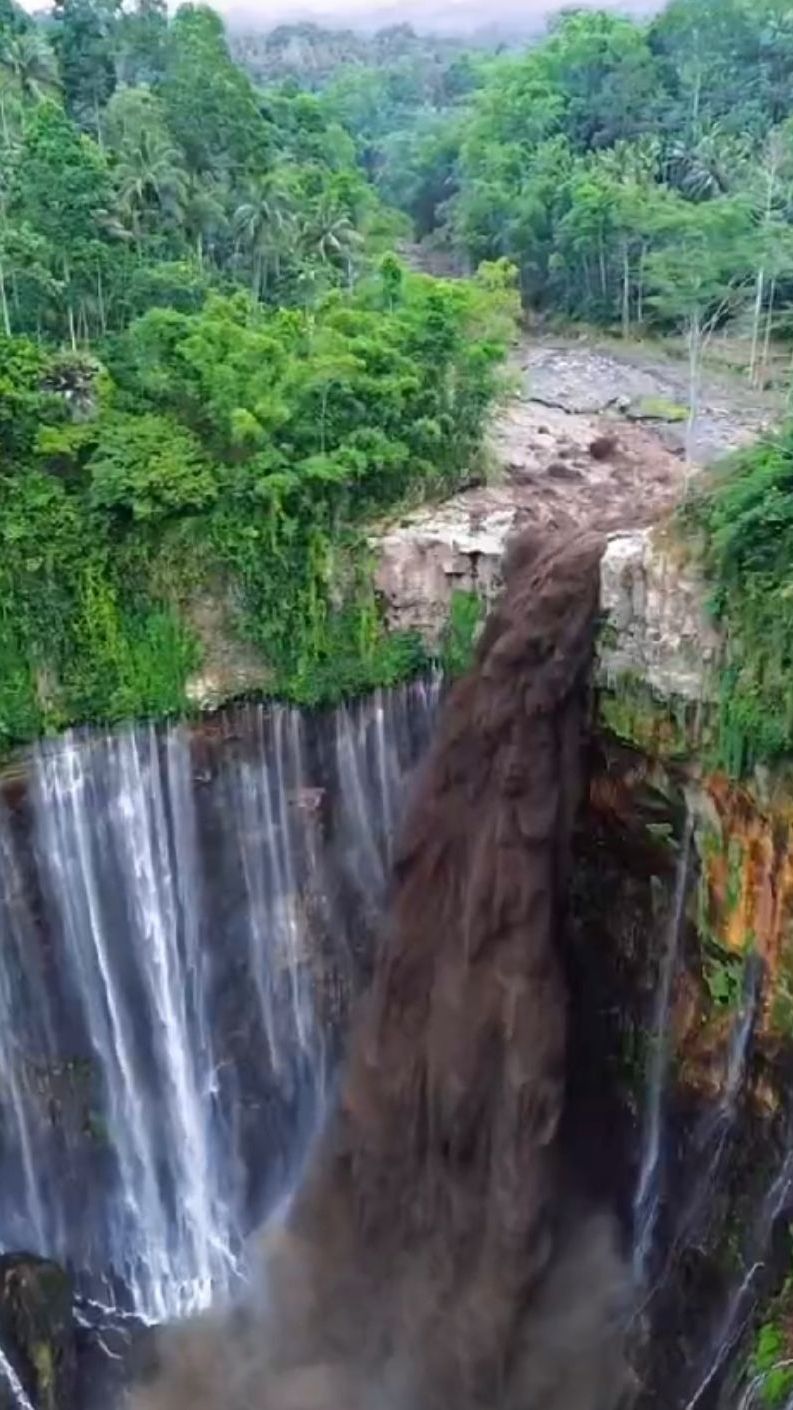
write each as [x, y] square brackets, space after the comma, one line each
[213, 362]
[589, 157]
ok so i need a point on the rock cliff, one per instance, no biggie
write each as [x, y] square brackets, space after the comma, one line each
[656, 629]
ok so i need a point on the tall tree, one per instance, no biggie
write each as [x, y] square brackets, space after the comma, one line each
[329, 233]
[142, 43]
[28, 62]
[150, 184]
[204, 215]
[701, 274]
[211, 107]
[61, 189]
[603, 67]
[84, 37]
[264, 227]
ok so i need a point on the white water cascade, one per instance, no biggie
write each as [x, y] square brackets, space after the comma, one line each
[182, 919]
[19, 1397]
[647, 1197]
[742, 1299]
[710, 1141]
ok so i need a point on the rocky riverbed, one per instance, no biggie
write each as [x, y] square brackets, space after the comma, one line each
[592, 438]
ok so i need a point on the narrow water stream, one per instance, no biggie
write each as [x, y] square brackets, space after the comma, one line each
[19, 1398]
[648, 1190]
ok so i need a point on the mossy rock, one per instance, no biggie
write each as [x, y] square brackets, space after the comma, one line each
[662, 729]
[37, 1329]
[656, 409]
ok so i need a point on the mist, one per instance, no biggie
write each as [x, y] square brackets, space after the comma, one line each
[464, 17]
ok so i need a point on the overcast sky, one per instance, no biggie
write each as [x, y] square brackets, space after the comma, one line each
[527, 14]
[423, 14]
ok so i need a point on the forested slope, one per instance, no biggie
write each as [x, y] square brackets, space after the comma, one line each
[639, 175]
[213, 374]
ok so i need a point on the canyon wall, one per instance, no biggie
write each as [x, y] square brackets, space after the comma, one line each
[678, 959]
[682, 936]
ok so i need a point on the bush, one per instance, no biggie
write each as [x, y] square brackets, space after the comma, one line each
[745, 517]
[148, 467]
[236, 440]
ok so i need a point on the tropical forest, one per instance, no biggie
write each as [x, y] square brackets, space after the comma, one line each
[396, 706]
[219, 360]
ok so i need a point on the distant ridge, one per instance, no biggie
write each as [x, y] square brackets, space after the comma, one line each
[472, 18]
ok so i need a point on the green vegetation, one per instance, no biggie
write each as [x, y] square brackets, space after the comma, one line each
[235, 441]
[770, 1367]
[637, 174]
[44, 1366]
[214, 371]
[657, 409]
[723, 974]
[745, 519]
[466, 615]
[629, 708]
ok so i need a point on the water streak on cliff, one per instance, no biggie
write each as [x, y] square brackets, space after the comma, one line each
[177, 921]
[648, 1190]
[741, 1302]
[19, 1397]
[711, 1138]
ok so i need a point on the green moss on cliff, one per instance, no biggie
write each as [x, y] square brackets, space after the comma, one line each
[665, 730]
[466, 615]
[770, 1370]
[44, 1368]
[744, 520]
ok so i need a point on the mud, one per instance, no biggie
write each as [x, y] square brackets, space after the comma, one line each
[444, 1250]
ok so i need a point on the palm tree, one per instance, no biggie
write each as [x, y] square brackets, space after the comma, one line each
[149, 178]
[29, 62]
[330, 233]
[712, 166]
[264, 229]
[203, 214]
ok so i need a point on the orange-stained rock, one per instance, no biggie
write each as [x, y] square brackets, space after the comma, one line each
[747, 876]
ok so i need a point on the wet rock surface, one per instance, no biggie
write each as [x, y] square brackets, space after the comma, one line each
[658, 630]
[644, 385]
[37, 1332]
[721, 1145]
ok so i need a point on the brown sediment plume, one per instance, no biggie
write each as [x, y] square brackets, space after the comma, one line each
[440, 1255]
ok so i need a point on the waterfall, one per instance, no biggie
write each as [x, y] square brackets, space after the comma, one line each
[646, 1200]
[21, 1003]
[181, 918]
[19, 1399]
[740, 1303]
[710, 1140]
[741, 1034]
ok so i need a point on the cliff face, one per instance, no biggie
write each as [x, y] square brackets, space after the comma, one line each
[682, 945]
[682, 964]
[677, 1029]
[664, 820]
[652, 601]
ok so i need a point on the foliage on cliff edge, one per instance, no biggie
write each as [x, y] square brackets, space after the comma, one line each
[746, 518]
[239, 443]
